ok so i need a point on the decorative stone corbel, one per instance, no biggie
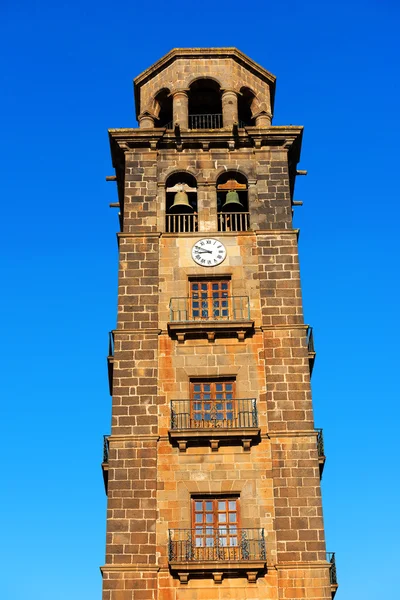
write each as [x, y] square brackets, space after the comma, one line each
[246, 445]
[251, 576]
[214, 445]
[183, 577]
[182, 444]
[217, 576]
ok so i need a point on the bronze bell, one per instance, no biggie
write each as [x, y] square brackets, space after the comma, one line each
[181, 203]
[232, 202]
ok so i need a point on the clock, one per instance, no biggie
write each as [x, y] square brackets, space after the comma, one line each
[208, 252]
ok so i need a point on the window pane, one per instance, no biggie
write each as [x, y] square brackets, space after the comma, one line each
[222, 517]
[222, 505]
[209, 506]
[232, 504]
[199, 506]
[199, 518]
[232, 517]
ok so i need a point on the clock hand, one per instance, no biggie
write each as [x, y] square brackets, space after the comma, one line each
[202, 251]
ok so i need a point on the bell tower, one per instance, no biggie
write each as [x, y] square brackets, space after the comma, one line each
[213, 464]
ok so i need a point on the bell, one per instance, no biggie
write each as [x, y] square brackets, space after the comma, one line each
[232, 202]
[181, 203]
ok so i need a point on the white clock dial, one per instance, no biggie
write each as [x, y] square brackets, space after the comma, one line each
[208, 252]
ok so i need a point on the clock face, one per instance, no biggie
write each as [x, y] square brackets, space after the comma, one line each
[208, 252]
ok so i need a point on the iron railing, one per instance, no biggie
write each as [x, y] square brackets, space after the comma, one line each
[330, 557]
[236, 221]
[320, 443]
[205, 121]
[224, 543]
[181, 223]
[105, 448]
[111, 343]
[209, 308]
[310, 340]
[241, 124]
[214, 413]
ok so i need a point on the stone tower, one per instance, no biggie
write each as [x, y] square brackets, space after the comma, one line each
[213, 465]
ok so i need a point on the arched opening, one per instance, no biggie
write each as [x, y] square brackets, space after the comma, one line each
[205, 105]
[163, 109]
[246, 107]
[181, 203]
[232, 202]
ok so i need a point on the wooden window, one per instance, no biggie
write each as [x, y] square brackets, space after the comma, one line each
[210, 300]
[212, 403]
[215, 527]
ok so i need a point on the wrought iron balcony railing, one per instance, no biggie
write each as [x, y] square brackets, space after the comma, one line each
[223, 543]
[330, 557]
[105, 449]
[104, 464]
[311, 349]
[181, 223]
[321, 451]
[236, 221]
[110, 361]
[214, 414]
[229, 308]
[320, 443]
[205, 121]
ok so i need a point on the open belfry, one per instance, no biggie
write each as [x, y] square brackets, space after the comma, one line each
[213, 465]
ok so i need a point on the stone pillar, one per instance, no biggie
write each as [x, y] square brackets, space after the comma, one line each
[180, 106]
[229, 108]
[263, 119]
[146, 121]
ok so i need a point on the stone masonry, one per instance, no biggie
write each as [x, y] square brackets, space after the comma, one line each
[153, 477]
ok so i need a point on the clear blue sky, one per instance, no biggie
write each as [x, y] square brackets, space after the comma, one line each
[67, 75]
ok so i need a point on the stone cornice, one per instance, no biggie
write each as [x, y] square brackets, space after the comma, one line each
[286, 138]
[199, 234]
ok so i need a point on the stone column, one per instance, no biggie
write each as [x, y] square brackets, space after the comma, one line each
[229, 108]
[146, 121]
[180, 106]
[263, 119]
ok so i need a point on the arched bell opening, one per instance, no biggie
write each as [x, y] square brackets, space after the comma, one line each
[205, 105]
[163, 109]
[232, 202]
[247, 103]
[181, 203]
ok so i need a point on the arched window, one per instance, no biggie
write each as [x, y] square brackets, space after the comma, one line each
[181, 203]
[205, 105]
[163, 109]
[247, 102]
[232, 202]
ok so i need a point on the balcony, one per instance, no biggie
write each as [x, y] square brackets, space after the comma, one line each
[229, 315]
[110, 361]
[321, 451]
[181, 223]
[330, 557]
[311, 351]
[214, 421]
[104, 464]
[226, 550]
[236, 221]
